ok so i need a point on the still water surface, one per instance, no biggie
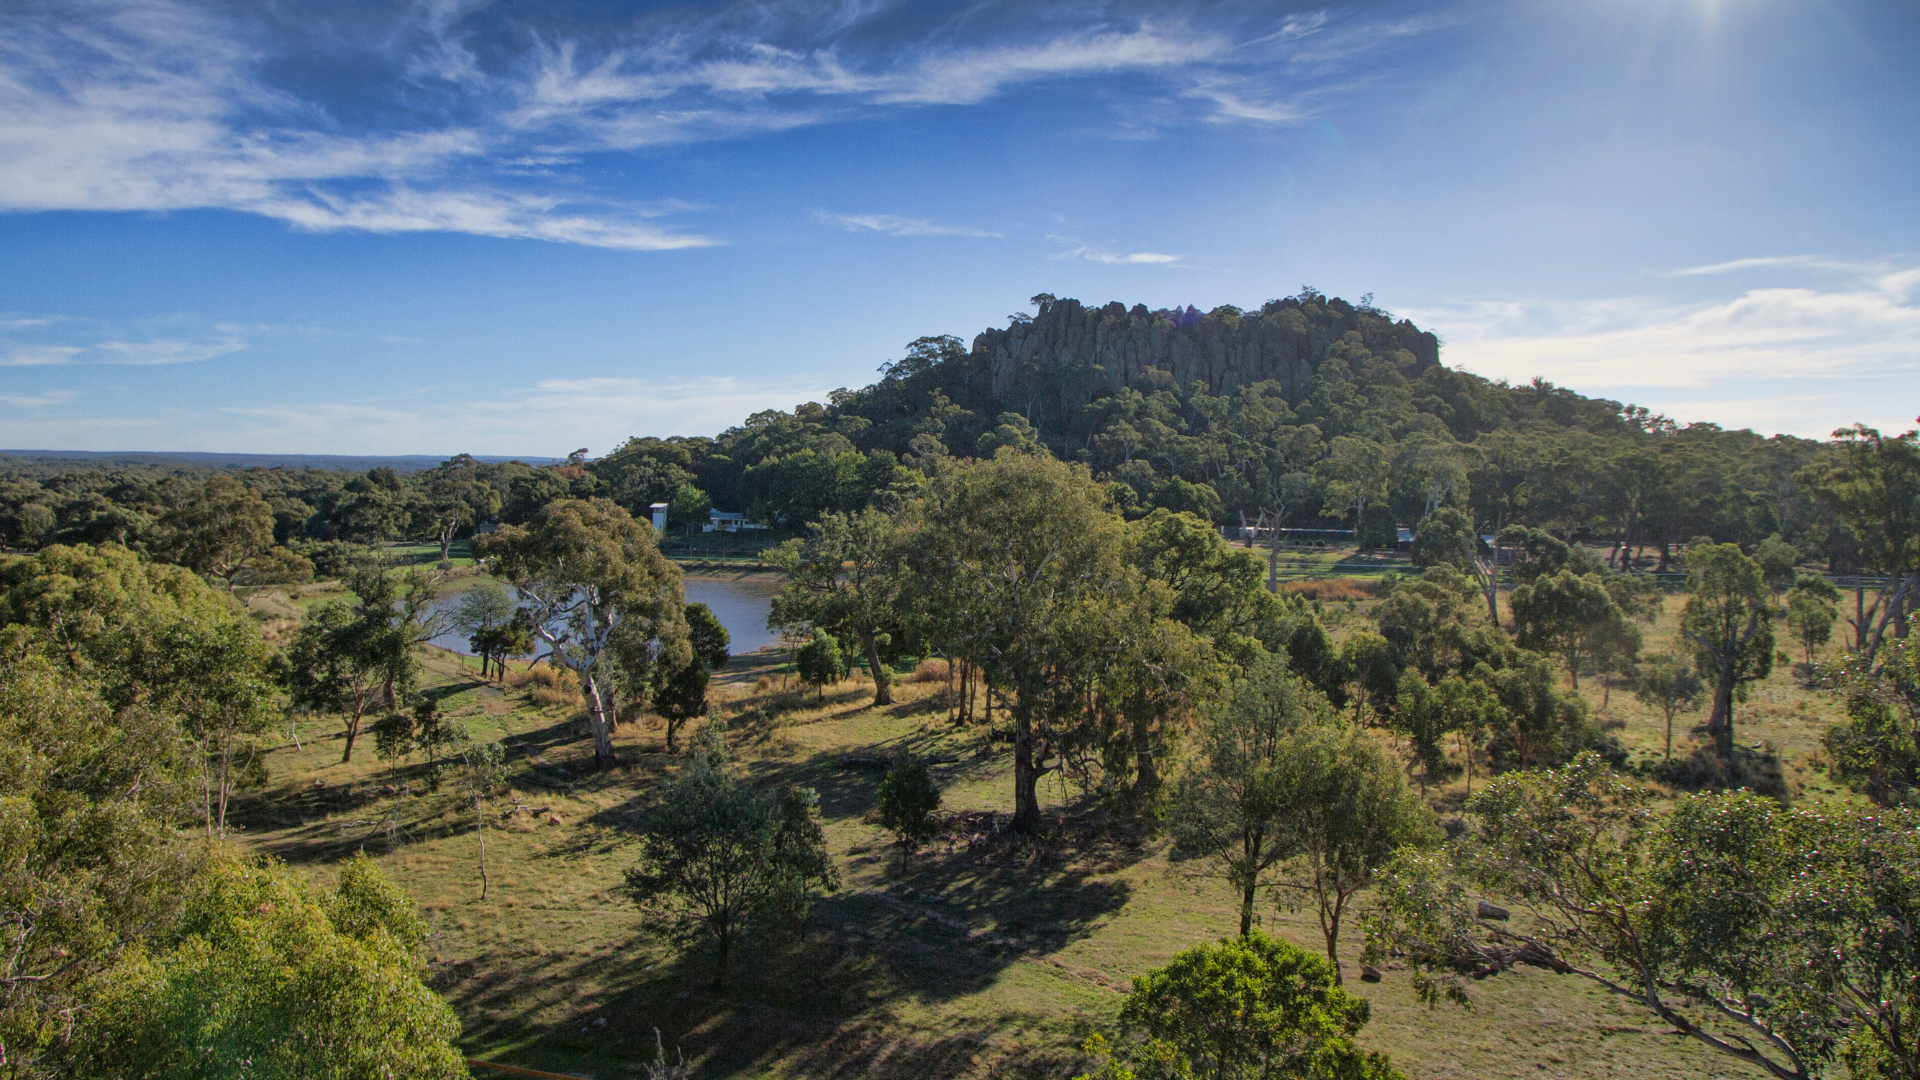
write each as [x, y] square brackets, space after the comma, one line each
[742, 605]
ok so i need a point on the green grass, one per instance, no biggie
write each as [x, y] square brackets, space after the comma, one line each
[996, 963]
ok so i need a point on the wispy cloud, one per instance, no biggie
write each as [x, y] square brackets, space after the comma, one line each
[36, 355]
[64, 340]
[163, 351]
[1078, 250]
[31, 401]
[893, 225]
[457, 116]
[1774, 262]
[599, 412]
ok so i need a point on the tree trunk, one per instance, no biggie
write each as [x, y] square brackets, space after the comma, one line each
[480, 830]
[1147, 783]
[1330, 929]
[882, 678]
[603, 755]
[1026, 771]
[724, 938]
[1246, 909]
[1720, 722]
[353, 730]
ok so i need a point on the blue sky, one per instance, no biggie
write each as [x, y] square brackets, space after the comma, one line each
[528, 227]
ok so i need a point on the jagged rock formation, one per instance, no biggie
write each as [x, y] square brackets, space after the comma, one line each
[1225, 349]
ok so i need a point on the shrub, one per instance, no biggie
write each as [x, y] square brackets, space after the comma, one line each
[907, 800]
[933, 670]
[1251, 1006]
[1333, 589]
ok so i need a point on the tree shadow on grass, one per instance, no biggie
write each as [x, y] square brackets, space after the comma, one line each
[819, 1007]
[394, 809]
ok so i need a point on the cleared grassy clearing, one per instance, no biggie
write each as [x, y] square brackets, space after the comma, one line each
[982, 960]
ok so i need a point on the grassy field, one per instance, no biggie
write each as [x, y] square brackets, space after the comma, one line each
[978, 961]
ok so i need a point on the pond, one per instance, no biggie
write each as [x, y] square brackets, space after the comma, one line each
[741, 603]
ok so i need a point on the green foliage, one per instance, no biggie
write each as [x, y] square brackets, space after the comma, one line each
[1282, 796]
[1773, 936]
[264, 979]
[1241, 1009]
[1538, 724]
[907, 800]
[847, 578]
[90, 853]
[158, 637]
[1731, 628]
[706, 636]
[1776, 558]
[1356, 470]
[819, 661]
[1566, 615]
[1348, 808]
[1669, 683]
[1810, 618]
[679, 687]
[393, 739]
[688, 507]
[1445, 536]
[724, 859]
[366, 901]
[1877, 748]
[485, 614]
[350, 658]
[225, 532]
[679, 695]
[593, 584]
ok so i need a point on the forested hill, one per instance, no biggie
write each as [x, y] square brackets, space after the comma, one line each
[1109, 349]
[1311, 410]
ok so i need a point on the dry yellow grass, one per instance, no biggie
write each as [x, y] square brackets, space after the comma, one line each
[995, 963]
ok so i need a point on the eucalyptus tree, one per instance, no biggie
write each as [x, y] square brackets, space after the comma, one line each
[1873, 486]
[224, 531]
[1347, 810]
[583, 568]
[1563, 615]
[1730, 625]
[1019, 556]
[1669, 683]
[723, 858]
[848, 577]
[1228, 811]
[1776, 937]
[1356, 471]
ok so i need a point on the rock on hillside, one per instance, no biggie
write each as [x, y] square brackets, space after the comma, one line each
[1225, 349]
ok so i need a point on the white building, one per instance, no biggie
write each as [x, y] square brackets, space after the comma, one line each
[724, 521]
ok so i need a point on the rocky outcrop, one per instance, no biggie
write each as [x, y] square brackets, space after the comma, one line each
[1225, 349]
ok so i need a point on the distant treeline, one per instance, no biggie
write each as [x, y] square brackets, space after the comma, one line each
[1309, 412]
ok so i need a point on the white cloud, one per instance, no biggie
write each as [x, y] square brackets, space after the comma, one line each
[897, 226]
[1758, 348]
[1078, 250]
[163, 351]
[33, 355]
[32, 401]
[168, 104]
[598, 412]
[72, 341]
[1771, 262]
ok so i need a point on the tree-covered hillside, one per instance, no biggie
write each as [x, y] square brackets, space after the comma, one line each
[1311, 412]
